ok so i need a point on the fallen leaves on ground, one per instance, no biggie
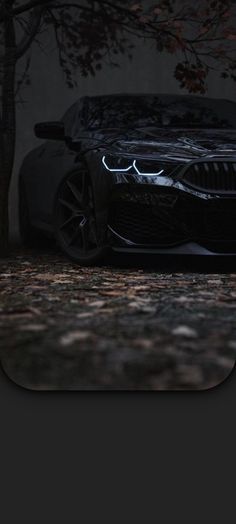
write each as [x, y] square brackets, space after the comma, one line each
[115, 327]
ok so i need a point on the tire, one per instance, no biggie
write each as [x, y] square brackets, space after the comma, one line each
[75, 221]
[30, 236]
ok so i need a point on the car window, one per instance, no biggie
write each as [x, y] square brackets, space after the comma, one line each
[160, 111]
[122, 111]
[201, 113]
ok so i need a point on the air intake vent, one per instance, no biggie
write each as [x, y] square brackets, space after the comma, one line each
[146, 224]
[212, 177]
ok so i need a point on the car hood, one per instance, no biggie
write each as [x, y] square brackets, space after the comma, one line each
[177, 144]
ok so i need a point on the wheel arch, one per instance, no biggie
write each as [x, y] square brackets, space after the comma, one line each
[101, 249]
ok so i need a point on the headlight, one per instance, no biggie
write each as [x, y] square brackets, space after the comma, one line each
[140, 167]
[118, 164]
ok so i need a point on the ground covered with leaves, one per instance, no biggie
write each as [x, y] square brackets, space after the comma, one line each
[131, 324]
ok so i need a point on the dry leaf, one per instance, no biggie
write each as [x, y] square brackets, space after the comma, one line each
[97, 303]
[141, 288]
[33, 327]
[86, 314]
[74, 336]
[112, 293]
[143, 342]
[184, 331]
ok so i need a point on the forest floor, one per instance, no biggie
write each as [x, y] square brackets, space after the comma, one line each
[155, 324]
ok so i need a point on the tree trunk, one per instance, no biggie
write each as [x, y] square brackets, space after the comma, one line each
[7, 123]
[4, 190]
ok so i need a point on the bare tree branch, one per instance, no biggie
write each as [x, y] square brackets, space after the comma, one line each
[30, 5]
[29, 35]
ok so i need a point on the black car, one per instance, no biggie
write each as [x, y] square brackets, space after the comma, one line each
[134, 173]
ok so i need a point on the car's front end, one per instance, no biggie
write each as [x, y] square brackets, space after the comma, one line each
[137, 173]
[172, 194]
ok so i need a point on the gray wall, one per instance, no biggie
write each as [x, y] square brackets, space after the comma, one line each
[48, 97]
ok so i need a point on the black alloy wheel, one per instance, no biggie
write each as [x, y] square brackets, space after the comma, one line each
[75, 219]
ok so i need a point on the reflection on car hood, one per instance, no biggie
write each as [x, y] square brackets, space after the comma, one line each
[182, 144]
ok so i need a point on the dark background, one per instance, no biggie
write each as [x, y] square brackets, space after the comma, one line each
[117, 457]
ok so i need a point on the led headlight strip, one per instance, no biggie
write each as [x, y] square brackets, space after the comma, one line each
[118, 170]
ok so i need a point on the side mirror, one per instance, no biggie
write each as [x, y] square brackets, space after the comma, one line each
[50, 130]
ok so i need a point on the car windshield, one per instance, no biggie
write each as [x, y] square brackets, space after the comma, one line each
[111, 112]
[159, 111]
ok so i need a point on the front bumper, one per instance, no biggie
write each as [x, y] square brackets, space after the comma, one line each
[164, 216]
[167, 214]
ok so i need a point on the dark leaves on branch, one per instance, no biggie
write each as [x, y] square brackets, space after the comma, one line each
[89, 35]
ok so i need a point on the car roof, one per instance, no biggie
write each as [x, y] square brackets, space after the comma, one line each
[163, 96]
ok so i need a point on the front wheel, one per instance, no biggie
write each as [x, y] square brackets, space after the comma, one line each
[75, 219]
